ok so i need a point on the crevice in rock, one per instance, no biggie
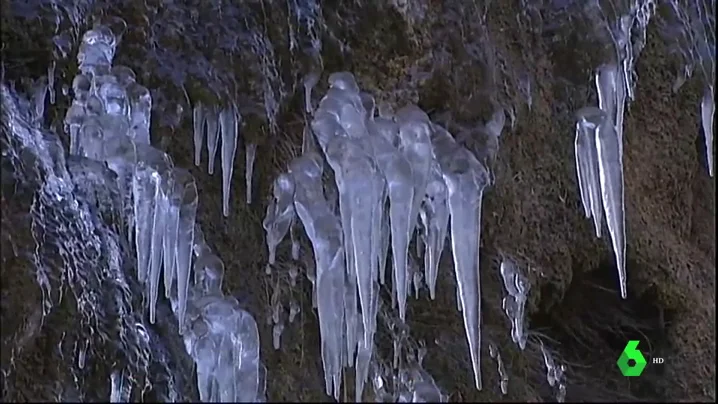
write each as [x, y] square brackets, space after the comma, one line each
[592, 325]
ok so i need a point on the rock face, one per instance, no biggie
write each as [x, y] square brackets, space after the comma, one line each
[456, 61]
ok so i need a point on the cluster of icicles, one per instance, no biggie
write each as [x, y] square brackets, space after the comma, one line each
[599, 134]
[109, 121]
[397, 176]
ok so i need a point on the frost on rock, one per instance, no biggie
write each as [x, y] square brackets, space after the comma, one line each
[514, 304]
[109, 122]
[397, 178]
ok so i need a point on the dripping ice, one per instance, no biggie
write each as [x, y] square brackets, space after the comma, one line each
[109, 121]
[397, 176]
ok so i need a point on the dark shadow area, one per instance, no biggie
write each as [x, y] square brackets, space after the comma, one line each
[592, 325]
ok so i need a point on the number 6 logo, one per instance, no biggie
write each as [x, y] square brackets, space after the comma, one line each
[631, 353]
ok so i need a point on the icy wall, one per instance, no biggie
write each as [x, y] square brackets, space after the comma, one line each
[375, 136]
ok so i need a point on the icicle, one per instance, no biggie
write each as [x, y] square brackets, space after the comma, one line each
[229, 120]
[503, 375]
[323, 230]
[277, 330]
[707, 111]
[280, 213]
[213, 117]
[587, 167]
[465, 179]
[294, 310]
[199, 124]
[51, 82]
[159, 227]
[434, 215]
[169, 240]
[609, 145]
[514, 304]
[251, 153]
[187, 195]
[310, 80]
[294, 236]
[39, 96]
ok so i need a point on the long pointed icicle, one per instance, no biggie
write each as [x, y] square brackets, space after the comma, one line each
[587, 165]
[707, 112]
[212, 116]
[199, 124]
[186, 189]
[251, 154]
[609, 145]
[465, 179]
[229, 120]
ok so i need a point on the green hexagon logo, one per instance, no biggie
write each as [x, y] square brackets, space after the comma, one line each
[631, 353]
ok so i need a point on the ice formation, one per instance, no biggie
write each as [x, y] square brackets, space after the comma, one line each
[514, 304]
[694, 22]
[397, 176]
[503, 375]
[217, 125]
[555, 374]
[599, 161]
[109, 121]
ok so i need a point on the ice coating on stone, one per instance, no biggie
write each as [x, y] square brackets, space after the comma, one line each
[109, 121]
[609, 146]
[250, 155]
[199, 123]
[324, 231]
[514, 304]
[434, 215]
[465, 180]
[707, 112]
[280, 213]
[503, 375]
[229, 119]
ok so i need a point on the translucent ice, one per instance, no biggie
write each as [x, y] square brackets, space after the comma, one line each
[229, 120]
[465, 179]
[199, 124]
[280, 213]
[609, 145]
[250, 155]
[517, 288]
[212, 115]
[707, 112]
